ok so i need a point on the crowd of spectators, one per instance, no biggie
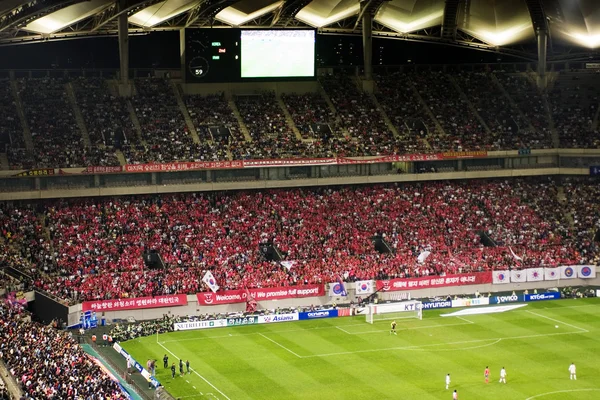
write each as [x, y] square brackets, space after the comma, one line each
[463, 129]
[163, 126]
[400, 103]
[11, 132]
[530, 102]
[57, 141]
[574, 101]
[510, 130]
[97, 244]
[271, 135]
[48, 363]
[582, 204]
[360, 117]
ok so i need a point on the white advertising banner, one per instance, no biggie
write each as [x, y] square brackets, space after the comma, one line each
[518, 276]
[535, 274]
[551, 274]
[586, 271]
[364, 287]
[186, 326]
[480, 301]
[500, 277]
[269, 319]
[568, 272]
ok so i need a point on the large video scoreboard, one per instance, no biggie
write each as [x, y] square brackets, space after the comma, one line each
[234, 55]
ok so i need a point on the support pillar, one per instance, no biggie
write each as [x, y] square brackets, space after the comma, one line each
[125, 88]
[367, 32]
[182, 54]
[542, 45]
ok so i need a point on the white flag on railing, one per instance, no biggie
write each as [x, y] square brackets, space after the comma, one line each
[364, 287]
[535, 274]
[586, 271]
[551, 274]
[210, 281]
[499, 277]
[518, 276]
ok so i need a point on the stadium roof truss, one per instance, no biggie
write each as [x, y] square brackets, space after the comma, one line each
[505, 26]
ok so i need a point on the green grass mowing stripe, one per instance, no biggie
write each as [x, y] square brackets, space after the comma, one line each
[197, 374]
[240, 368]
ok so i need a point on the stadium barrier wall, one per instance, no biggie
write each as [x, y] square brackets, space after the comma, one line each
[193, 308]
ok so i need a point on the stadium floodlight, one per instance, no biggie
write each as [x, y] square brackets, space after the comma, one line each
[391, 311]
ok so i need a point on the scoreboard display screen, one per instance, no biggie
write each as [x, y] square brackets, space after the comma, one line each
[237, 55]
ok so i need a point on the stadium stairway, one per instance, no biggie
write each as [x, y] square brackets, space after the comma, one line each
[4, 165]
[512, 102]
[383, 114]
[120, 157]
[562, 199]
[238, 116]
[438, 126]
[11, 384]
[469, 104]
[78, 116]
[186, 115]
[338, 120]
[26, 131]
[288, 117]
[553, 131]
[136, 122]
[596, 117]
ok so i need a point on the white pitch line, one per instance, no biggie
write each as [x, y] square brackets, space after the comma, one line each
[558, 321]
[561, 391]
[280, 345]
[466, 320]
[403, 329]
[201, 377]
[441, 344]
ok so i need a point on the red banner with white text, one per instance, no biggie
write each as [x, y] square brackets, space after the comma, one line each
[182, 166]
[277, 293]
[475, 278]
[136, 303]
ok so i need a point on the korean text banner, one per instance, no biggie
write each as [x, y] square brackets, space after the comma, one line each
[474, 278]
[139, 302]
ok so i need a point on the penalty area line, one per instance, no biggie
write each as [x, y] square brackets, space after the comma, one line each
[559, 321]
[561, 391]
[201, 377]
[280, 345]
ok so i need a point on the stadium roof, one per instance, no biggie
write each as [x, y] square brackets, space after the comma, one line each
[505, 25]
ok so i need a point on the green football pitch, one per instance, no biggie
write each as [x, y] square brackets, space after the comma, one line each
[347, 358]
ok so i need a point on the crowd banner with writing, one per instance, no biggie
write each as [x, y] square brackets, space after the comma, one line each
[551, 274]
[283, 162]
[500, 277]
[568, 272]
[535, 274]
[36, 172]
[260, 294]
[586, 271]
[518, 276]
[103, 170]
[135, 303]
[183, 166]
[475, 278]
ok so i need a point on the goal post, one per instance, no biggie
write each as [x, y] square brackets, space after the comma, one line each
[389, 311]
